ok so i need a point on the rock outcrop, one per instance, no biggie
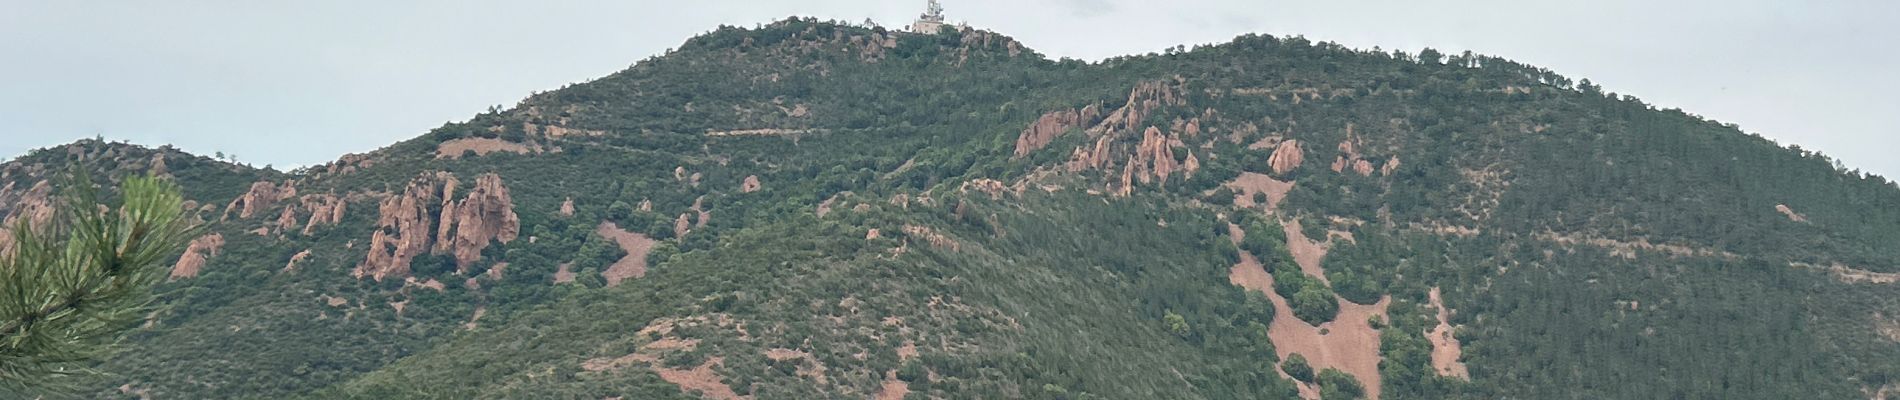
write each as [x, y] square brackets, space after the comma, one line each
[1349, 157]
[750, 185]
[1143, 100]
[1286, 157]
[1052, 125]
[486, 215]
[325, 209]
[200, 251]
[567, 207]
[34, 206]
[261, 197]
[403, 230]
[1792, 216]
[296, 259]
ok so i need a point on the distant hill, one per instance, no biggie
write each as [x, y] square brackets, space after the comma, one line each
[818, 210]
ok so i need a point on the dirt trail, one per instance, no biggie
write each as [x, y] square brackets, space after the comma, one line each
[1350, 344]
[634, 265]
[1848, 274]
[1445, 348]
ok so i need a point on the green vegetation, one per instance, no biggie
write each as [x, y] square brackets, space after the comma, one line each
[1587, 244]
[71, 286]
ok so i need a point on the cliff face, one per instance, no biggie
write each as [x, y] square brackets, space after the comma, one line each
[1286, 157]
[1053, 124]
[324, 209]
[32, 206]
[486, 215]
[406, 227]
[403, 229]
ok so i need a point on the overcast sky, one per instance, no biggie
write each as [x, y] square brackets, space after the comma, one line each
[299, 84]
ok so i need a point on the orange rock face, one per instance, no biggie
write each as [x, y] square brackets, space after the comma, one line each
[1144, 99]
[1286, 157]
[200, 251]
[750, 185]
[467, 227]
[567, 207]
[325, 209]
[260, 198]
[1052, 125]
[296, 259]
[34, 206]
[486, 215]
[1792, 216]
[403, 230]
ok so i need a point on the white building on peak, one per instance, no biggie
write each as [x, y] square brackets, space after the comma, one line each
[931, 21]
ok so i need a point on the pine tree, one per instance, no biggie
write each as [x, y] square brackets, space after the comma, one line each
[71, 288]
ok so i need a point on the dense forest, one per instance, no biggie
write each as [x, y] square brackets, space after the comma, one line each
[811, 209]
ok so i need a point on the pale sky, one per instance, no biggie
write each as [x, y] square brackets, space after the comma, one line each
[300, 83]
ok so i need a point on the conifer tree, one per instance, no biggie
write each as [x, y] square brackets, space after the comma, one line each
[70, 287]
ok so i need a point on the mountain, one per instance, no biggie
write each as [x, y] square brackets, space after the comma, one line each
[817, 210]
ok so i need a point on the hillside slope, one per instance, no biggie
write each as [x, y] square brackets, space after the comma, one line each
[816, 210]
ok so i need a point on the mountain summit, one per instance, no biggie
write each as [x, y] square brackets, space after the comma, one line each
[818, 210]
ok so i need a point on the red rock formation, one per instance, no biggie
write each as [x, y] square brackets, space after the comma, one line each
[200, 250]
[1390, 166]
[1142, 100]
[681, 225]
[1792, 216]
[1363, 167]
[486, 215]
[1286, 157]
[1052, 125]
[567, 207]
[325, 209]
[991, 186]
[158, 165]
[446, 229]
[403, 230]
[288, 218]
[296, 259]
[35, 205]
[261, 197]
[750, 185]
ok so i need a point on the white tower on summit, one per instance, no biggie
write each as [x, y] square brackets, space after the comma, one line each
[931, 21]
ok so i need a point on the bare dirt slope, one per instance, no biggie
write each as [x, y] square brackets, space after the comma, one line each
[1349, 343]
[634, 265]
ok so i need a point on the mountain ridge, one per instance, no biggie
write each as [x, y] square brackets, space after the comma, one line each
[834, 211]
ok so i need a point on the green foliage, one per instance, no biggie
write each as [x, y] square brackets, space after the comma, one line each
[1041, 287]
[1296, 367]
[74, 286]
[1337, 385]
